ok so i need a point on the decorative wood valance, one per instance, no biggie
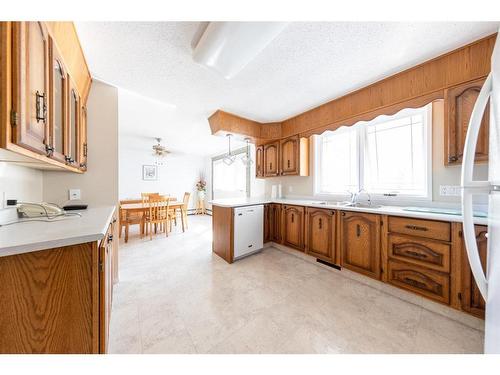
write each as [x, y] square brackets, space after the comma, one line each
[414, 87]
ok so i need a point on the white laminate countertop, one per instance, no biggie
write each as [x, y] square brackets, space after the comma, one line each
[28, 236]
[383, 210]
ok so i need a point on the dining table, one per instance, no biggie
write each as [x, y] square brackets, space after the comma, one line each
[173, 204]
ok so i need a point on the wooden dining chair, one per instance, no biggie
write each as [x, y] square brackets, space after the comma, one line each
[184, 210]
[127, 219]
[145, 205]
[158, 216]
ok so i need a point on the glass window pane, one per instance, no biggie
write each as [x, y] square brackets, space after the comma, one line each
[229, 181]
[338, 170]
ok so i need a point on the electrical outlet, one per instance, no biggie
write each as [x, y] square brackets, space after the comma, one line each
[74, 194]
[450, 190]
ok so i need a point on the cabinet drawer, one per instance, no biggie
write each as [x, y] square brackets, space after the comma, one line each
[437, 230]
[423, 252]
[431, 284]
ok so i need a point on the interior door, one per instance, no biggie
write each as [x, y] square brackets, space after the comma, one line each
[30, 72]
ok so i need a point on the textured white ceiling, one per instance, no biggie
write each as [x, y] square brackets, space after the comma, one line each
[306, 65]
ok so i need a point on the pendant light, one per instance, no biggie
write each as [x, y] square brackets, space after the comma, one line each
[229, 158]
[246, 159]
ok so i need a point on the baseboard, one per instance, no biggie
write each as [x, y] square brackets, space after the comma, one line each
[423, 302]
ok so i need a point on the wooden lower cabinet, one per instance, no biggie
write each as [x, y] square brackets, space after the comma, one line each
[57, 300]
[420, 280]
[293, 226]
[470, 297]
[274, 223]
[360, 243]
[321, 233]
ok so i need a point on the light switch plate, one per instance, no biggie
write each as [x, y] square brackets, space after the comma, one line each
[74, 194]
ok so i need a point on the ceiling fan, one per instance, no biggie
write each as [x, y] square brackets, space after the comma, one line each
[158, 149]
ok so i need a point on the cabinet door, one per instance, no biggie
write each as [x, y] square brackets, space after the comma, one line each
[82, 150]
[275, 223]
[320, 233]
[289, 156]
[459, 102]
[74, 119]
[471, 298]
[58, 104]
[105, 289]
[267, 223]
[271, 159]
[259, 161]
[30, 82]
[293, 226]
[360, 243]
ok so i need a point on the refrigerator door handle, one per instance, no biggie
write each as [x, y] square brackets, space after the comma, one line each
[471, 187]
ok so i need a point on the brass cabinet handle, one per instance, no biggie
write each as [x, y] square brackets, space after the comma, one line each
[358, 230]
[415, 254]
[293, 217]
[320, 223]
[416, 227]
[415, 283]
[288, 163]
[41, 109]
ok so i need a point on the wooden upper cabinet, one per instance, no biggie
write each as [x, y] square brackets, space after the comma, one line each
[83, 151]
[46, 83]
[58, 118]
[259, 161]
[321, 233]
[74, 119]
[360, 243]
[459, 102]
[294, 156]
[471, 299]
[271, 159]
[293, 226]
[30, 83]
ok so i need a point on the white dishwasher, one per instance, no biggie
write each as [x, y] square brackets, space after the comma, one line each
[248, 230]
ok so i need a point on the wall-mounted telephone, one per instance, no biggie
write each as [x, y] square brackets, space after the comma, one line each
[32, 210]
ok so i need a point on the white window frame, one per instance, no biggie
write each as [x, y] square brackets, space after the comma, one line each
[361, 136]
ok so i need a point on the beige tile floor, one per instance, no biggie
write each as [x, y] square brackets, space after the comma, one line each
[175, 296]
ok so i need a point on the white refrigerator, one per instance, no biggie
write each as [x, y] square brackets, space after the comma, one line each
[489, 281]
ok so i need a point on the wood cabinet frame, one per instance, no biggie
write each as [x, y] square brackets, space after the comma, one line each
[326, 223]
[373, 221]
[23, 132]
[456, 126]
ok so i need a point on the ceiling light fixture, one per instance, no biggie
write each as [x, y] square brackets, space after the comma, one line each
[246, 159]
[227, 47]
[159, 152]
[229, 158]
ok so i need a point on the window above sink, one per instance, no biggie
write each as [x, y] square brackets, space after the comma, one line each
[388, 157]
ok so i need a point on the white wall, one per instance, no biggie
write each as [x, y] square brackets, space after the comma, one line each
[99, 185]
[21, 183]
[441, 175]
[180, 171]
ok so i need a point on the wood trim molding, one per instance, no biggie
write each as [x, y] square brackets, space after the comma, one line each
[413, 87]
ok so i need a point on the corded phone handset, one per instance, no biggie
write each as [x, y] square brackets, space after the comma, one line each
[34, 210]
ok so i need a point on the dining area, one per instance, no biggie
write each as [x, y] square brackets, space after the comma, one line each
[154, 213]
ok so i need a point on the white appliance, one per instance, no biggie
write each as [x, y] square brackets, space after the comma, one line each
[489, 282]
[248, 230]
